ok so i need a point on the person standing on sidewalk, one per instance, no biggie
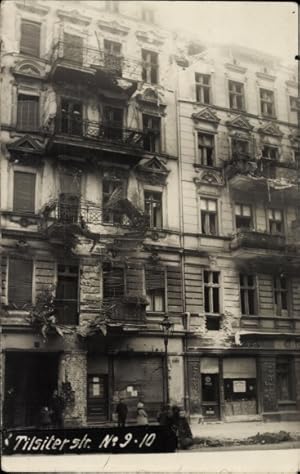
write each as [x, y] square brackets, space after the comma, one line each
[122, 411]
[142, 417]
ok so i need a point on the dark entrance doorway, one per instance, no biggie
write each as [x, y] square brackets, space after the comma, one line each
[29, 383]
[97, 398]
[210, 395]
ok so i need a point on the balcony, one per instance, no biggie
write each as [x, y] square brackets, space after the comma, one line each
[270, 324]
[71, 135]
[127, 310]
[250, 239]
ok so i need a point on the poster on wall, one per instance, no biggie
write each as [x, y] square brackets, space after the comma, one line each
[239, 386]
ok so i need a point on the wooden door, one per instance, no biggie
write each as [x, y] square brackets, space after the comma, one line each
[97, 398]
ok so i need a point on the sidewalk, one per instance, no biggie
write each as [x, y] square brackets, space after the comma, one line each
[242, 430]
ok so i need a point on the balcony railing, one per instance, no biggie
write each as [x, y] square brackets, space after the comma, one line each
[246, 238]
[71, 209]
[99, 131]
[125, 310]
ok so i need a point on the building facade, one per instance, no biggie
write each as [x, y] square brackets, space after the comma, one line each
[145, 178]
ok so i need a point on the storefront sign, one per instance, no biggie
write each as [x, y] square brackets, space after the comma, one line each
[239, 386]
[134, 439]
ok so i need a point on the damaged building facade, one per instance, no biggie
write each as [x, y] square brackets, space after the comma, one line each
[145, 180]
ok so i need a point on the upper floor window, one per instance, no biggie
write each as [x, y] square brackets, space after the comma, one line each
[275, 221]
[243, 216]
[203, 88]
[206, 149]
[212, 290]
[248, 294]
[30, 38]
[270, 152]
[67, 294]
[113, 281]
[153, 208]
[73, 48]
[294, 104]
[284, 378]
[71, 117]
[267, 103]
[236, 95]
[148, 15]
[112, 56]
[28, 113]
[24, 192]
[151, 128]
[20, 274]
[69, 198]
[155, 289]
[208, 216]
[112, 6]
[280, 289]
[149, 66]
[112, 191]
[240, 148]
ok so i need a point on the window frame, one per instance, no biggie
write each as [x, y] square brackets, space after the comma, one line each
[35, 174]
[201, 88]
[234, 95]
[208, 213]
[211, 285]
[163, 270]
[124, 277]
[267, 147]
[149, 67]
[246, 288]
[35, 23]
[153, 192]
[70, 274]
[8, 270]
[274, 220]
[200, 160]
[37, 100]
[277, 291]
[121, 183]
[71, 121]
[288, 361]
[264, 102]
[154, 134]
[294, 108]
[252, 223]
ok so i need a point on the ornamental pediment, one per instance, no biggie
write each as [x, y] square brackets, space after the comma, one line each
[113, 27]
[26, 145]
[209, 178]
[271, 129]
[151, 98]
[240, 122]
[74, 17]
[152, 171]
[206, 115]
[28, 68]
[31, 8]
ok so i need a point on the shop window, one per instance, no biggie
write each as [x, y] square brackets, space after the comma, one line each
[211, 292]
[20, 274]
[112, 56]
[267, 103]
[71, 117]
[112, 192]
[243, 217]
[73, 48]
[113, 123]
[113, 281]
[284, 379]
[28, 113]
[208, 216]
[67, 292]
[294, 104]
[236, 95]
[280, 289]
[270, 152]
[152, 131]
[155, 289]
[153, 208]
[275, 221]
[30, 38]
[149, 66]
[206, 149]
[203, 88]
[248, 295]
[24, 192]
[239, 389]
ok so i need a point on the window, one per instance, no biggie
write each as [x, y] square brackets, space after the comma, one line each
[149, 66]
[112, 56]
[203, 88]
[294, 104]
[275, 221]
[24, 192]
[71, 117]
[30, 38]
[206, 151]
[208, 216]
[267, 103]
[20, 282]
[66, 301]
[240, 148]
[284, 377]
[151, 128]
[148, 15]
[155, 289]
[236, 95]
[280, 288]
[69, 198]
[211, 292]
[248, 294]
[28, 114]
[112, 192]
[153, 208]
[112, 6]
[270, 152]
[243, 216]
[73, 48]
[113, 123]
[113, 281]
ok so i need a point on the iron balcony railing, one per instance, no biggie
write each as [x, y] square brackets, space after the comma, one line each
[83, 56]
[72, 209]
[74, 126]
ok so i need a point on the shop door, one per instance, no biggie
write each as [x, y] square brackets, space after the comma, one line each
[97, 399]
[210, 396]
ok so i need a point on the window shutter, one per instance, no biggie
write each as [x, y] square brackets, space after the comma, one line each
[24, 192]
[73, 48]
[30, 38]
[155, 279]
[20, 281]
